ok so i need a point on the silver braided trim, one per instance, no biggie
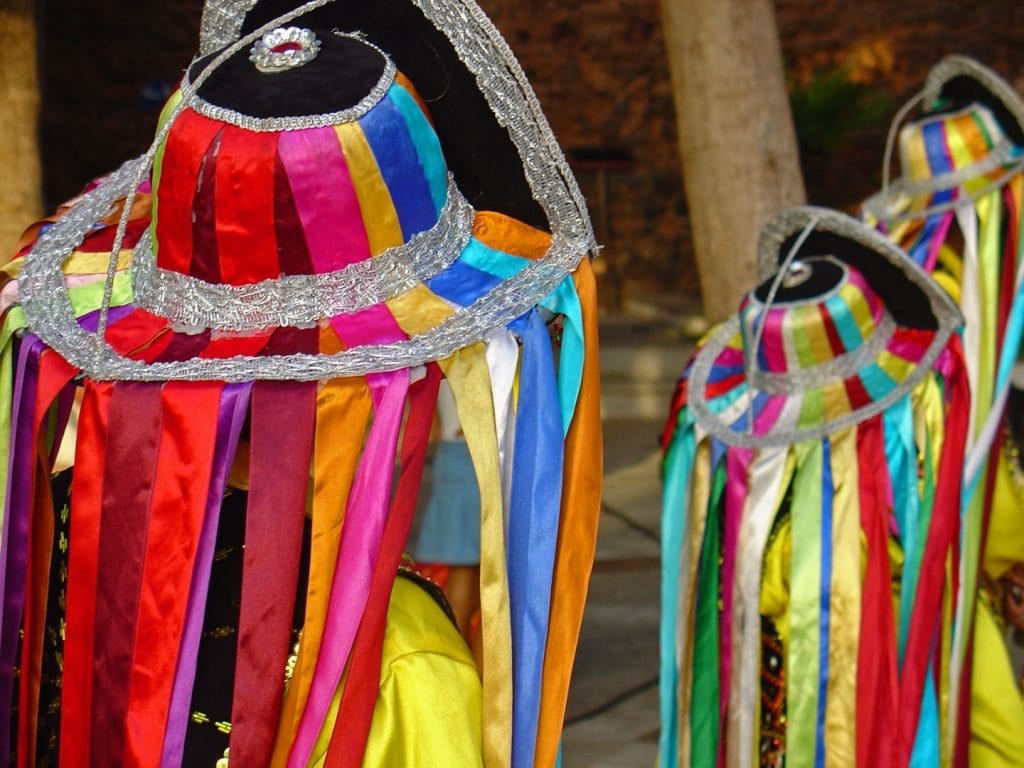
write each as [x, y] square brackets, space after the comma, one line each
[955, 66]
[298, 122]
[837, 369]
[773, 236]
[508, 93]
[892, 209]
[504, 85]
[48, 309]
[222, 23]
[301, 300]
[887, 206]
[717, 426]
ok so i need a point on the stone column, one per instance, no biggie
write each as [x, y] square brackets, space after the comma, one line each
[736, 139]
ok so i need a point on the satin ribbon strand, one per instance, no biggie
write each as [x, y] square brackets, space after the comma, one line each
[283, 415]
[348, 744]
[467, 374]
[358, 551]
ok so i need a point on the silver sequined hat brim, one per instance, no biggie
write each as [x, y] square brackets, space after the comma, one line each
[773, 237]
[501, 80]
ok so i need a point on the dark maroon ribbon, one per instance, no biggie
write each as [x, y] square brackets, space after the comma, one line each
[133, 442]
[283, 418]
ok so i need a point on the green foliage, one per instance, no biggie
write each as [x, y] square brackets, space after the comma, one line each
[831, 107]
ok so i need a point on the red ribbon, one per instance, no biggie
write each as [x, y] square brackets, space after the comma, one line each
[942, 537]
[176, 190]
[83, 557]
[132, 447]
[348, 742]
[184, 462]
[877, 684]
[246, 236]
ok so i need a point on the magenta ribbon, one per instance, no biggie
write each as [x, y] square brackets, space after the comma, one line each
[358, 552]
[737, 462]
[332, 222]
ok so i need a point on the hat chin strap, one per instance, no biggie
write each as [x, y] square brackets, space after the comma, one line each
[787, 270]
[890, 139]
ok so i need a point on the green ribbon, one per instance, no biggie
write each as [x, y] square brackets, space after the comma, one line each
[805, 606]
[704, 707]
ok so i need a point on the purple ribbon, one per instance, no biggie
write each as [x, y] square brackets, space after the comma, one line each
[14, 545]
[234, 405]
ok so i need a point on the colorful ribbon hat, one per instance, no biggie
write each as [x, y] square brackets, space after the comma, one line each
[969, 140]
[287, 202]
[306, 248]
[846, 327]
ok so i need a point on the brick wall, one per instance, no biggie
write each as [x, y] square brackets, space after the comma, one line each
[599, 69]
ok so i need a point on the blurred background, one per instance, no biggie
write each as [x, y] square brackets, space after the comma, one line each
[600, 68]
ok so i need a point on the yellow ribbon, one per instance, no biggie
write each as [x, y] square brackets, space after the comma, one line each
[382, 227]
[467, 373]
[844, 603]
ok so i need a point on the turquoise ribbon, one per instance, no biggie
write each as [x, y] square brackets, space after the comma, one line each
[676, 469]
[562, 301]
[901, 456]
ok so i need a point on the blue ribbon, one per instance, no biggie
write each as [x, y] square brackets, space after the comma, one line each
[562, 301]
[399, 164]
[428, 148]
[536, 502]
[536, 492]
[827, 495]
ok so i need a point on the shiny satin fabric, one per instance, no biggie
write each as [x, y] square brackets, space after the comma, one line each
[577, 528]
[189, 412]
[343, 413]
[978, 261]
[53, 386]
[427, 713]
[676, 470]
[14, 544]
[467, 373]
[552, 517]
[876, 668]
[804, 694]
[234, 406]
[357, 555]
[283, 417]
[836, 558]
[769, 474]
[83, 566]
[705, 713]
[362, 680]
